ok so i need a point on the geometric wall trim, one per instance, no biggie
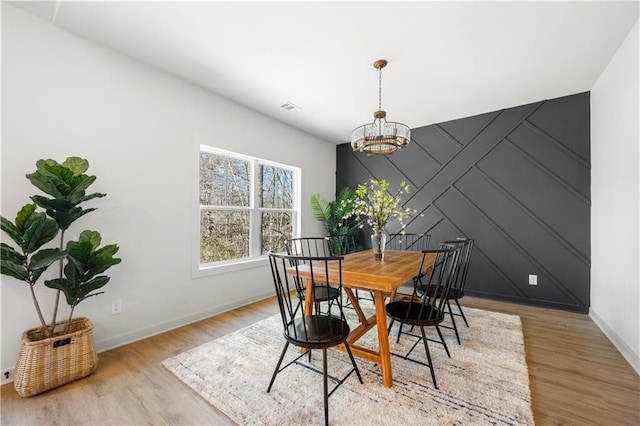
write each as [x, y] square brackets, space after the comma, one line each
[517, 181]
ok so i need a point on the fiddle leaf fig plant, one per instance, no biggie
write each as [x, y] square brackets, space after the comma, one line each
[80, 262]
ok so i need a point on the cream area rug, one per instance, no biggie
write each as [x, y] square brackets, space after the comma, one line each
[484, 382]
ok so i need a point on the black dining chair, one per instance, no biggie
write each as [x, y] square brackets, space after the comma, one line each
[313, 247]
[407, 241]
[427, 310]
[456, 292]
[310, 330]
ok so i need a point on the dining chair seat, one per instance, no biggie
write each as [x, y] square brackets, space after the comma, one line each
[317, 331]
[414, 314]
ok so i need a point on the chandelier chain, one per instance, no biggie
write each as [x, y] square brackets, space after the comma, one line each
[379, 88]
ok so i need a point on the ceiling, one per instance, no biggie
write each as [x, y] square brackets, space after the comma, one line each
[447, 60]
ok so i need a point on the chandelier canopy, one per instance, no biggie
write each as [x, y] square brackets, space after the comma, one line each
[380, 136]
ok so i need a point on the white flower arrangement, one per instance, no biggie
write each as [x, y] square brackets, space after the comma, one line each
[379, 206]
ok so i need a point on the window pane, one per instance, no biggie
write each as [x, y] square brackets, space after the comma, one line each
[224, 181]
[276, 228]
[224, 235]
[276, 187]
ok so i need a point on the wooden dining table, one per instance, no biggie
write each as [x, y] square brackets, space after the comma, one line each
[360, 271]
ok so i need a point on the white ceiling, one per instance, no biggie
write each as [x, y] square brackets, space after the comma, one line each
[447, 60]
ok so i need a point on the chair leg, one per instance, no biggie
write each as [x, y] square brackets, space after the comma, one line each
[275, 372]
[426, 348]
[462, 313]
[399, 332]
[353, 361]
[453, 322]
[446, 348]
[326, 387]
[399, 329]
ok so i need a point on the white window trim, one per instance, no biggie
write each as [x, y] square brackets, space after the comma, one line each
[232, 265]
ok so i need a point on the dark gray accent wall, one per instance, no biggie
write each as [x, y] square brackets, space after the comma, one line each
[517, 181]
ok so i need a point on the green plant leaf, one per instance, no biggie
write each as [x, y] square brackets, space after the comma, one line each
[91, 197]
[93, 237]
[23, 216]
[78, 186]
[102, 259]
[319, 207]
[41, 261]
[44, 258]
[44, 184]
[93, 285]
[9, 253]
[66, 218]
[41, 230]
[63, 284]
[77, 165]
[57, 204]
[13, 269]
[10, 229]
[52, 178]
[344, 203]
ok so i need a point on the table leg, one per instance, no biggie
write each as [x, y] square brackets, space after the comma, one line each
[356, 306]
[308, 305]
[308, 299]
[383, 339]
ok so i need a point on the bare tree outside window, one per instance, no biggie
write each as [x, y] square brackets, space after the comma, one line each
[228, 199]
[276, 193]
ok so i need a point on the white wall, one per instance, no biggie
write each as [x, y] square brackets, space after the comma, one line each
[140, 129]
[615, 193]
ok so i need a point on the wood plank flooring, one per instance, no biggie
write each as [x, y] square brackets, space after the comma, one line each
[577, 376]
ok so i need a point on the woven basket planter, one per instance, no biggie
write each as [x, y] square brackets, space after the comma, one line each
[46, 363]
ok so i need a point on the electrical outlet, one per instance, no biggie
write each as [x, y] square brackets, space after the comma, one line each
[7, 376]
[116, 306]
[533, 279]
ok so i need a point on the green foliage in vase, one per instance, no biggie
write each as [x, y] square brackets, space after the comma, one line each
[81, 261]
[378, 206]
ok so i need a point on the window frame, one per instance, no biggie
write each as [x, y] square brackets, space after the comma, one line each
[255, 213]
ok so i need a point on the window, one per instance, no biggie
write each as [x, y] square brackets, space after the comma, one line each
[248, 206]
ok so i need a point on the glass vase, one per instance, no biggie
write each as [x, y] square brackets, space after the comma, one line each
[378, 242]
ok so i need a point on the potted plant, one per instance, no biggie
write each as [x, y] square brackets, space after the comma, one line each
[56, 353]
[338, 219]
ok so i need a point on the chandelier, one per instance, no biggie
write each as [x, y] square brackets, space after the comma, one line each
[380, 136]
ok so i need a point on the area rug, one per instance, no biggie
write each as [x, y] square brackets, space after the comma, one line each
[484, 382]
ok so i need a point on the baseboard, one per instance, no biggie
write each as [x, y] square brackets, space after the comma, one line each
[529, 302]
[632, 358]
[134, 336]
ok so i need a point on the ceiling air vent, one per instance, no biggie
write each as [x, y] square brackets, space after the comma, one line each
[288, 106]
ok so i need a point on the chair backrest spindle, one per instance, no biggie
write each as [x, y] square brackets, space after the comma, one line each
[439, 277]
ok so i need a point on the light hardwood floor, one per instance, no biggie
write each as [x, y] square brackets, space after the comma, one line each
[577, 376]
